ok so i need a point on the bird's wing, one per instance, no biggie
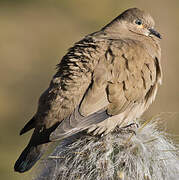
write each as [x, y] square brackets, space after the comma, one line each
[69, 84]
[92, 108]
[122, 78]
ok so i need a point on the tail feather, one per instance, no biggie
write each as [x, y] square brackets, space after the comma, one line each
[30, 125]
[29, 157]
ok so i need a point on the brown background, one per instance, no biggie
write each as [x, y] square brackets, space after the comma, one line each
[34, 35]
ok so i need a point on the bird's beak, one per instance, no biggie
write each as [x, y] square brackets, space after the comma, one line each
[155, 33]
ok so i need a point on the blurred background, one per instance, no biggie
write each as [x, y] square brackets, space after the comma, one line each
[35, 34]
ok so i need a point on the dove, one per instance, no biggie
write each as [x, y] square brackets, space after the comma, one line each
[107, 79]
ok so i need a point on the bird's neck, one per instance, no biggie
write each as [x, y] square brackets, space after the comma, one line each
[116, 30]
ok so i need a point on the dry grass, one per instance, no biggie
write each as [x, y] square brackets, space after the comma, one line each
[121, 155]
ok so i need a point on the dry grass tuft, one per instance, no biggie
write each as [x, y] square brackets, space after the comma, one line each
[121, 155]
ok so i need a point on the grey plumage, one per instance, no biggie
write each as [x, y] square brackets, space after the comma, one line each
[109, 78]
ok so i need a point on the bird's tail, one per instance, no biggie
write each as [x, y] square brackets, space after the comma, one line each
[29, 157]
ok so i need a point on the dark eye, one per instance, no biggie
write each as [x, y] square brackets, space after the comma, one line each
[138, 22]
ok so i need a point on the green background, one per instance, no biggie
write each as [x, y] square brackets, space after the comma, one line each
[34, 35]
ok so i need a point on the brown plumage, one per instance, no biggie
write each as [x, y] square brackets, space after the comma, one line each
[109, 78]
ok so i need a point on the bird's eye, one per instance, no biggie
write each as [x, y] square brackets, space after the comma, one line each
[138, 22]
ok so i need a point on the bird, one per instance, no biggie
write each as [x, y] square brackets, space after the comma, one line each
[107, 79]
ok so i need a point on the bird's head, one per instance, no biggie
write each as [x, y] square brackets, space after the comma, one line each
[135, 21]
